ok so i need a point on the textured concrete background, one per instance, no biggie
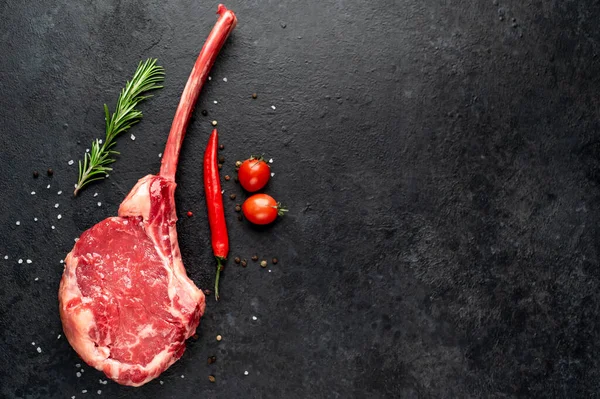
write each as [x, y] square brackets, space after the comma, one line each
[440, 160]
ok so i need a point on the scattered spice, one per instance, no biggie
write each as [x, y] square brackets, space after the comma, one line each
[238, 164]
[211, 378]
[237, 259]
[254, 96]
[204, 112]
[263, 263]
[240, 218]
[220, 166]
[189, 214]
[207, 292]
[221, 159]
[214, 123]
[219, 337]
[236, 179]
[232, 196]
[36, 174]
[195, 336]
[244, 263]
[274, 260]
[221, 147]
[255, 257]
[238, 208]
[227, 177]
[211, 359]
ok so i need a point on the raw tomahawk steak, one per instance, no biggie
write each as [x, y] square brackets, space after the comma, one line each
[126, 303]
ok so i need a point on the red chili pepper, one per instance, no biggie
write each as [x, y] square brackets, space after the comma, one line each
[214, 203]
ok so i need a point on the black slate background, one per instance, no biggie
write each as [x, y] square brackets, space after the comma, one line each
[440, 160]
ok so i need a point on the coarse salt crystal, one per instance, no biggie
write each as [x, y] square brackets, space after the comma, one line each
[73, 397]
[36, 279]
[56, 205]
[76, 239]
[71, 162]
[272, 174]
[209, 78]
[48, 186]
[39, 349]
[272, 106]
[58, 336]
[271, 160]
[246, 372]
[28, 261]
[59, 193]
[62, 261]
[82, 370]
[99, 391]
[161, 382]
[53, 227]
[78, 374]
[99, 203]
[33, 193]
[20, 261]
[84, 391]
[35, 219]
[59, 216]
[75, 185]
[224, 79]
[100, 141]
[160, 155]
[95, 194]
[182, 376]
[18, 223]
[269, 270]
[33, 343]
[222, 191]
[215, 102]
[5, 256]
[254, 317]
[78, 365]
[87, 150]
[132, 137]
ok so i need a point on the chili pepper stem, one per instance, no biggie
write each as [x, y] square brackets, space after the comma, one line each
[219, 268]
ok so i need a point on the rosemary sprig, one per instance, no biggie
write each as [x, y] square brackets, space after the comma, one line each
[95, 165]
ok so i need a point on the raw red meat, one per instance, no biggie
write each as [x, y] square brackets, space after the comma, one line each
[126, 303]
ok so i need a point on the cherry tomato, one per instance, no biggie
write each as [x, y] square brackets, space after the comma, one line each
[254, 174]
[262, 209]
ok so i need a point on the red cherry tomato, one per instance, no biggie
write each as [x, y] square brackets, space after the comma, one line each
[262, 209]
[254, 174]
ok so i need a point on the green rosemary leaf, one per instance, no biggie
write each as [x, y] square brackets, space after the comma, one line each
[95, 163]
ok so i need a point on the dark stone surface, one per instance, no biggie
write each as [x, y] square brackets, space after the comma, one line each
[440, 159]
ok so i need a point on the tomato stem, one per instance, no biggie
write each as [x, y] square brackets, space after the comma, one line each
[258, 159]
[281, 210]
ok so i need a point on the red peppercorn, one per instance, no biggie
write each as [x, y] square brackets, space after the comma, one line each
[190, 214]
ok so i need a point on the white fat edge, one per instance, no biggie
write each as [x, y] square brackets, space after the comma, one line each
[161, 361]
